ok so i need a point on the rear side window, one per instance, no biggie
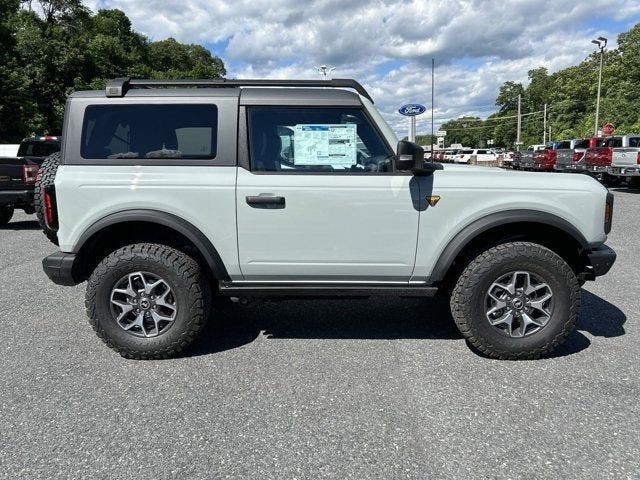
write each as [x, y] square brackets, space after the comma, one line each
[150, 131]
[634, 142]
[584, 143]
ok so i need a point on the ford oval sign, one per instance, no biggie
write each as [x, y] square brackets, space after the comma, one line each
[412, 109]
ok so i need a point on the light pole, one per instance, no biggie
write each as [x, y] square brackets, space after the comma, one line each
[324, 70]
[600, 43]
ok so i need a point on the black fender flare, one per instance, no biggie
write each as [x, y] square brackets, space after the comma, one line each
[180, 225]
[481, 225]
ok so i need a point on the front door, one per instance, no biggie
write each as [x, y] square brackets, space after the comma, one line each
[320, 200]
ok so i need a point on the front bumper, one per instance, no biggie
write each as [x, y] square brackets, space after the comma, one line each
[601, 259]
[59, 267]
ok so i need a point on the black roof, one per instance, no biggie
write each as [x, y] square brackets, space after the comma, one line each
[118, 87]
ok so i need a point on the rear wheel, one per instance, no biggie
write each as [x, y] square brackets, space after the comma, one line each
[45, 178]
[147, 301]
[517, 300]
[6, 213]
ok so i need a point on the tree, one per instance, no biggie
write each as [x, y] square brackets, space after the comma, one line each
[49, 48]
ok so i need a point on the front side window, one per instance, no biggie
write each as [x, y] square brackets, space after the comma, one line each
[150, 132]
[315, 139]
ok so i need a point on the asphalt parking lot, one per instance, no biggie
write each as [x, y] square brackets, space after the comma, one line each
[307, 389]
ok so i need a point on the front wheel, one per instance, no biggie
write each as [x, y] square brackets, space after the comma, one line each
[147, 301]
[516, 300]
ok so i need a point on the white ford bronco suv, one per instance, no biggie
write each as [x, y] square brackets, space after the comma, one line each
[170, 193]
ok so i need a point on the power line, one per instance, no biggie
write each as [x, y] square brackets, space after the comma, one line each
[491, 126]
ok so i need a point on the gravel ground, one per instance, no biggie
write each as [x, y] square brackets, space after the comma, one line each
[305, 389]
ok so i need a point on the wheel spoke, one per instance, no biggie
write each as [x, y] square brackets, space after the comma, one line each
[162, 318]
[506, 319]
[150, 287]
[529, 320]
[126, 308]
[137, 322]
[538, 303]
[535, 288]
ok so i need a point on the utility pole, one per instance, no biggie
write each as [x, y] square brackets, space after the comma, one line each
[600, 43]
[544, 127]
[519, 123]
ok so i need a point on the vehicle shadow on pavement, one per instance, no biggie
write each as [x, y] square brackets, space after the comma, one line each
[21, 225]
[598, 318]
[232, 325]
[625, 189]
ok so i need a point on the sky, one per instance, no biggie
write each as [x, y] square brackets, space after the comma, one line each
[388, 45]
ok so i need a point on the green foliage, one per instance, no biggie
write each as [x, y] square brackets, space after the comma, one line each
[49, 48]
[570, 95]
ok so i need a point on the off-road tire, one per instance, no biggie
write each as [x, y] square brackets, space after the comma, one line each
[6, 213]
[184, 276]
[468, 300]
[46, 176]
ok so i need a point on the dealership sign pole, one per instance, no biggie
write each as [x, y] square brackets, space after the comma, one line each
[412, 110]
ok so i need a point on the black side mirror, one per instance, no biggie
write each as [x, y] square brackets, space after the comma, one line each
[410, 156]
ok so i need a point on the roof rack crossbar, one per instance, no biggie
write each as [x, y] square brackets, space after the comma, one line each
[118, 87]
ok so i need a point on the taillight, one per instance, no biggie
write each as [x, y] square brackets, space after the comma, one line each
[638, 159]
[50, 214]
[576, 156]
[29, 173]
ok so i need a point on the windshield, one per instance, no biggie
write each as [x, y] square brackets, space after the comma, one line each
[38, 149]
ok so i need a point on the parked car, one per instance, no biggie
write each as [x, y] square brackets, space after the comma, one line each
[526, 157]
[18, 175]
[479, 154]
[515, 160]
[508, 158]
[545, 159]
[571, 158]
[598, 159]
[625, 160]
[320, 223]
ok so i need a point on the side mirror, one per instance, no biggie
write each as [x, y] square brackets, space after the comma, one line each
[409, 156]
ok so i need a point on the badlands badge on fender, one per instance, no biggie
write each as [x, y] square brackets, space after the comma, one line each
[433, 199]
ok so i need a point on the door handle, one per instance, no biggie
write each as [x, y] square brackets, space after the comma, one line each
[265, 201]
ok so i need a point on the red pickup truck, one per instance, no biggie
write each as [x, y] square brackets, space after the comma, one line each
[545, 160]
[598, 159]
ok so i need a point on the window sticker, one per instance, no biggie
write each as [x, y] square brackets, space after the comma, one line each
[325, 144]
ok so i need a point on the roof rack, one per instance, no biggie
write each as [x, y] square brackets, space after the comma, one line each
[118, 87]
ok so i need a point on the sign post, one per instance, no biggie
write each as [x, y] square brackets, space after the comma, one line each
[412, 110]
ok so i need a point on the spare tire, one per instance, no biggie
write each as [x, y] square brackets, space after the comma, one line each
[45, 178]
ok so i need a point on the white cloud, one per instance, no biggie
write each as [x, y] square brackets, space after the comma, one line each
[388, 44]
